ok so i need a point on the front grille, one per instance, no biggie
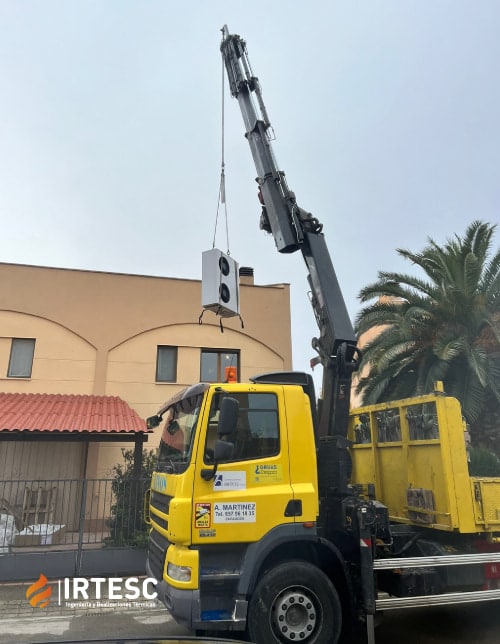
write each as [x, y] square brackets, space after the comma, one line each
[163, 523]
[161, 502]
[157, 549]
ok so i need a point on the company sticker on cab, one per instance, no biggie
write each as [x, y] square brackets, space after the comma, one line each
[267, 473]
[235, 512]
[203, 515]
[230, 481]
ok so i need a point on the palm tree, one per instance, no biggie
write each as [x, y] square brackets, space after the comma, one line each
[443, 326]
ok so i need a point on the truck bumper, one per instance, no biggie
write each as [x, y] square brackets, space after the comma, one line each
[185, 608]
[183, 605]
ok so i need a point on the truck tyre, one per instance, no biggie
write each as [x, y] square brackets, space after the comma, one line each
[294, 602]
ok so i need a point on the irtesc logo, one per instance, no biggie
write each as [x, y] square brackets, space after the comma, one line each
[96, 592]
[38, 594]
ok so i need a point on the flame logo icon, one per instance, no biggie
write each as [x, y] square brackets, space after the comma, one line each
[38, 594]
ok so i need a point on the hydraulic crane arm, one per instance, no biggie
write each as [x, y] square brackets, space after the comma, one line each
[295, 229]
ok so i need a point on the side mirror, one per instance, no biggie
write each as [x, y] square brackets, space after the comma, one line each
[223, 449]
[153, 421]
[228, 416]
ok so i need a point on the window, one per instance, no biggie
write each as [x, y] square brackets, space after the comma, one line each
[423, 422]
[388, 426]
[219, 366]
[21, 358]
[362, 429]
[166, 364]
[257, 428]
[179, 433]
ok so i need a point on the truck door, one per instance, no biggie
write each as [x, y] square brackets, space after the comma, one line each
[250, 489]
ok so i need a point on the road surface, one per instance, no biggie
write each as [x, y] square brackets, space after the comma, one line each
[19, 623]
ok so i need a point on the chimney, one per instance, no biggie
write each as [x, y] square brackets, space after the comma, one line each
[246, 275]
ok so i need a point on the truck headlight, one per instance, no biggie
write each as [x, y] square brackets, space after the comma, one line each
[179, 573]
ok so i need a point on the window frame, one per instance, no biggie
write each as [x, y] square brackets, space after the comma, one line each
[175, 351]
[16, 342]
[247, 443]
[220, 366]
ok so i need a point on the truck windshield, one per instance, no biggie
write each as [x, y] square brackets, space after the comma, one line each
[178, 433]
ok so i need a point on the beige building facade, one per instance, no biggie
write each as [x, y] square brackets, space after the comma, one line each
[138, 337]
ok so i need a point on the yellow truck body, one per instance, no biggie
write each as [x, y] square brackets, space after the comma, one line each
[412, 456]
[244, 512]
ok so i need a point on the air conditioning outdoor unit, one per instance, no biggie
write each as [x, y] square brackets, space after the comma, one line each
[220, 288]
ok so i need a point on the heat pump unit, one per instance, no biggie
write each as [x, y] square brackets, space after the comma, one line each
[220, 288]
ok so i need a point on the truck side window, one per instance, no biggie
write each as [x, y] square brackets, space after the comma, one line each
[257, 428]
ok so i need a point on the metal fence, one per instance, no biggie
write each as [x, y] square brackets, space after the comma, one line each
[71, 513]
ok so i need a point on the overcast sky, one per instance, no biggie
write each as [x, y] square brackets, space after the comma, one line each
[386, 113]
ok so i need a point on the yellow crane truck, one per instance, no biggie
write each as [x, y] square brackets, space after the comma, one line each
[287, 520]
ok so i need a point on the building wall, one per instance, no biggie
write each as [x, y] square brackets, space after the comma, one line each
[363, 340]
[63, 361]
[97, 333]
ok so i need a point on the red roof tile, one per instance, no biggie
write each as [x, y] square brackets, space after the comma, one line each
[67, 413]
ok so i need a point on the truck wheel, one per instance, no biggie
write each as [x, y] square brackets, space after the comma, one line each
[294, 602]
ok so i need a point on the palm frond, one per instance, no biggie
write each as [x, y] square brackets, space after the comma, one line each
[478, 362]
[444, 326]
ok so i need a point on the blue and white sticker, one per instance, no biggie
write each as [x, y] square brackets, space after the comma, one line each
[230, 481]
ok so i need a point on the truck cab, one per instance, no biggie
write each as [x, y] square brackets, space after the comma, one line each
[235, 486]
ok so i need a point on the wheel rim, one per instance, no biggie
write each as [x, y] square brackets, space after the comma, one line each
[294, 614]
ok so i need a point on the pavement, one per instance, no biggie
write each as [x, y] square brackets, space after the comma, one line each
[95, 617]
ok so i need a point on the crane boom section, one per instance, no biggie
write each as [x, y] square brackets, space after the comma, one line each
[295, 229]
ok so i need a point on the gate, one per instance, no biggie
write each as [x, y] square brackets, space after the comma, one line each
[71, 527]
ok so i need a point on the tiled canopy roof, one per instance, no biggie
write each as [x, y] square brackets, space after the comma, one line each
[67, 413]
